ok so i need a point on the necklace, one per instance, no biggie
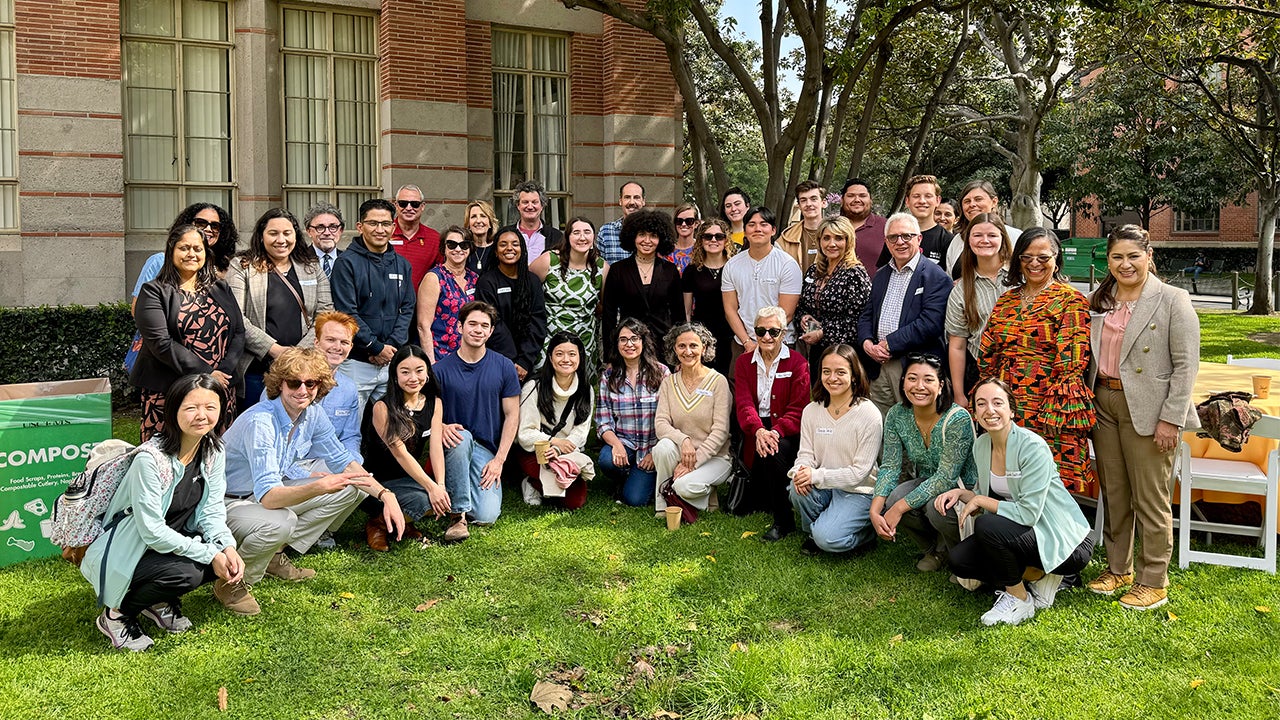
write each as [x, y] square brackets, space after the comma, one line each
[646, 273]
[697, 380]
[836, 412]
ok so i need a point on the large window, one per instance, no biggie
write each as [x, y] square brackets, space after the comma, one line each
[1195, 222]
[531, 118]
[330, 109]
[8, 121]
[177, 91]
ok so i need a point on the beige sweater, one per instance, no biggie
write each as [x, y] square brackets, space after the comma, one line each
[841, 452]
[702, 417]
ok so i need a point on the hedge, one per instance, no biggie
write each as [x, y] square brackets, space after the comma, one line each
[66, 342]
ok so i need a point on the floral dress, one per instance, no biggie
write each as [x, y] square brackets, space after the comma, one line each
[1042, 351]
[572, 299]
[835, 302]
[444, 328]
[204, 329]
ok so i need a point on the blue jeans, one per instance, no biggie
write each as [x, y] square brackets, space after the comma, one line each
[413, 499]
[838, 521]
[253, 387]
[637, 485]
[463, 465]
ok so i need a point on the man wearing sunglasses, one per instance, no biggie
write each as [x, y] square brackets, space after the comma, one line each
[412, 240]
[631, 198]
[273, 505]
[905, 313]
[800, 239]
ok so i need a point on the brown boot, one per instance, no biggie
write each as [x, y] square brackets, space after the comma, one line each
[376, 532]
[410, 532]
[283, 568]
[236, 597]
[457, 531]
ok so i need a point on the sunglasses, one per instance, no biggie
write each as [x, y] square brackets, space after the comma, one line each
[294, 384]
[926, 358]
[1036, 259]
[714, 237]
[686, 221]
[202, 224]
[771, 332]
[457, 244]
[406, 204]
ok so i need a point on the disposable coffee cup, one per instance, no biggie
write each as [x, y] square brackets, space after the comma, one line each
[540, 450]
[1262, 386]
[673, 517]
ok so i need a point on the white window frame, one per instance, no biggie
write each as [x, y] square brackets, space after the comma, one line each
[8, 120]
[1189, 224]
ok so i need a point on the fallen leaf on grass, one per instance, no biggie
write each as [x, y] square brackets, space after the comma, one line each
[222, 699]
[782, 626]
[693, 626]
[896, 639]
[705, 534]
[738, 647]
[248, 680]
[712, 558]
[427, 605]
[449, 578]
[748, 534]
[1262, 608]
[642, 667]
[594, 617]
[1172, 617]
[666, 715]
[346, 595]
[1196, 683]
[444, 698]
[403, 651]
[550, 696]
[613, 558]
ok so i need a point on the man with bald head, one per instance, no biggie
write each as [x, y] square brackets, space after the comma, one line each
[412, 240]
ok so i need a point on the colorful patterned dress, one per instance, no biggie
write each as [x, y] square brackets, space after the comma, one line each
[1042, 351]
[572, 300]
[204, 329]
[444, 328]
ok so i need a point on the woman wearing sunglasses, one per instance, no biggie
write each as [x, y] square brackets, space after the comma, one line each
[572, 277]
[687, 218]
[928, 445]
[218, 229]
[770, 392]
[700, 284]
[1037, 341]
[444, 290]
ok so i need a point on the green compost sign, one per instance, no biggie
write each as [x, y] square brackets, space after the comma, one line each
[46, 433]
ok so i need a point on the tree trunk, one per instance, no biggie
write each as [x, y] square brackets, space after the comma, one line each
[820, 126]
[869, 109]
[1025, 180]
[930, 112]
[1268, 206]
[698, 165]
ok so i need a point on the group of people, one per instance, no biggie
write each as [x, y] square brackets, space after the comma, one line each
[851, 375]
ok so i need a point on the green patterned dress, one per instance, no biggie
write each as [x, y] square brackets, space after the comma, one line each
[572, 302]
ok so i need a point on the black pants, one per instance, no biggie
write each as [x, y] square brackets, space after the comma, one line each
[767, 490]
[1000, 550]
[163, 578]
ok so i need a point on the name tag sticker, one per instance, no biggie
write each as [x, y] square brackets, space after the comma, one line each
[395, 276]
[826, 431]
[813, 251]
[342, 413]
[471, 291]
[781, 375]
[808, 279]
[919, 291]
[772, 281]
[1013, 475]
[426, 433]
[704, 392]
[397, 242]
[306, 282]
[504, 290]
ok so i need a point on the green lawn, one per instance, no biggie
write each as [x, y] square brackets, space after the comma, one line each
[1227, 331]
[725, 625]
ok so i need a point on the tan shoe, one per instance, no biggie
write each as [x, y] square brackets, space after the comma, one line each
[931, 562]
[1108, 583]
[1144, 597]
[283, 568]
[236, 597]
[457, 531]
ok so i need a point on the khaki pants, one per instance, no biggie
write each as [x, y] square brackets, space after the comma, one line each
[1136, 480]
[261, 532]
[885, 389]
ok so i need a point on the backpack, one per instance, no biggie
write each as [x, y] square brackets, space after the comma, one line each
[78, 513]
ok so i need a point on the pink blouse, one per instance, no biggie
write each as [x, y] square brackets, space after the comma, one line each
[1113, 325]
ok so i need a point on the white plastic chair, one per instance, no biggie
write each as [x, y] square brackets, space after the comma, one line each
[1234, 476]
[1255, 362]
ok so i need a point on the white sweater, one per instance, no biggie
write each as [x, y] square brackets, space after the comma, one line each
[531, 420]
[842, 453]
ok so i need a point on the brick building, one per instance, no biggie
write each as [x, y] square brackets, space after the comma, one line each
[1233, 226]
[115, 114]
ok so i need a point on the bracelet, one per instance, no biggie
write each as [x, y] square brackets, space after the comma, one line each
[381, 492]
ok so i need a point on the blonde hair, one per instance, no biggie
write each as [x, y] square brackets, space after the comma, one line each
[838, 225]
[485, 208]
[294, 363]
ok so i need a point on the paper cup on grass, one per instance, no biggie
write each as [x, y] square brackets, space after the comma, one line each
[673, 517]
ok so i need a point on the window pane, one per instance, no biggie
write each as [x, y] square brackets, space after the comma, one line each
[355, 122]
[549, 54]
[349, 204]
[508, 50]
[151, 208]
[204, 20]
[151, 80]
[149, 17]
[8, 206]
[218, 196]
[8, 111]
[6, 12]
[299, 201]
[306, 120]
[207, 111]
[353, 34]
[549, 131]
[305, 30]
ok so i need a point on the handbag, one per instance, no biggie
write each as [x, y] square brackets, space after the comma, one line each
[688, 513]
[738, 503]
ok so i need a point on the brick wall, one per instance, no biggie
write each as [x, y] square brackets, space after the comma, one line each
[635, 77]
[587, 79]
[424, 50]
[1236, 224]
[79, 38]
[479, 61]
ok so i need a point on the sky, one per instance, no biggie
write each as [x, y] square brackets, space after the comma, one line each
[747, 13]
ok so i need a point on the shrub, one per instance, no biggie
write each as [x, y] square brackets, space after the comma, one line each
[67, 342]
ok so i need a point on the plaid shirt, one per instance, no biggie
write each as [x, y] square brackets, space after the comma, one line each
[609, 240]
[895, 296]
[629, 413]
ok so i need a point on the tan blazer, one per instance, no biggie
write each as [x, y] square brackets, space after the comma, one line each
[249, 286]
[1159, 356]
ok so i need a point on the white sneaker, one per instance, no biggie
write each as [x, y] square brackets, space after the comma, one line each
[1009, 610]
[168, 617]
[531, 494]
[124, 632]
[1044, 590]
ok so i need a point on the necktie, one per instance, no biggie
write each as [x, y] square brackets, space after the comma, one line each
[328, 267]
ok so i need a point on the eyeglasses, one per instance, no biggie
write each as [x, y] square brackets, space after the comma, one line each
[374, 224]
[686, 221]
[325, 229]
[294, 384]
[632, 340]
[202, 224]
[406, 204]
[457, 244]
[900, 238]
[1035, 259]
[714, 237]
[771, 332]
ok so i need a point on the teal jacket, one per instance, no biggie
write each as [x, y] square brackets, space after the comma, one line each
[141, 496]
[1040, 501]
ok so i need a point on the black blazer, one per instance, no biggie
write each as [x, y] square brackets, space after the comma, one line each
[163, 358]
[924, 312]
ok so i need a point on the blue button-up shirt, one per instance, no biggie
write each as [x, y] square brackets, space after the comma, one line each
[609, 240]
[263, 443]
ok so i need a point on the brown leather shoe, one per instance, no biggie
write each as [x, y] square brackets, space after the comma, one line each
[236, 597]
[376, 532]
[457, 531]
[283, 568]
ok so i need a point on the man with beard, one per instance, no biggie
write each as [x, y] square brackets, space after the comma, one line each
[855, 204]
[631, 198]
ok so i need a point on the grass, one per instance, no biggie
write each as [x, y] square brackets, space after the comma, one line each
[1227, 331]
[725, 625]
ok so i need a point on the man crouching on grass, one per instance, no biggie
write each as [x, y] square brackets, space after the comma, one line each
[268, 509]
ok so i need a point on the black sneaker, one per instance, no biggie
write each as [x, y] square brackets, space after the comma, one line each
[168, 617]
[809, 547]
[123, 632]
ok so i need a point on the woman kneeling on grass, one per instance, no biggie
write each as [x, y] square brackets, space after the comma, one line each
[834, 475]
[1031, 524]
[173, 535]
[556, 408]
[394, 433]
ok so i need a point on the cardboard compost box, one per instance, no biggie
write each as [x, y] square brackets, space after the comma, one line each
[46, 433]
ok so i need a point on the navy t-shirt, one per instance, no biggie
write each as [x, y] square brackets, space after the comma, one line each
[472, 393]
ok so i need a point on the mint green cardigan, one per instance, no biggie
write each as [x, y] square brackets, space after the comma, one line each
[1040, 501]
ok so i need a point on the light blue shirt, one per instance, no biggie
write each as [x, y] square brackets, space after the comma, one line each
[342, 405]
[150, 271]
[263, 442]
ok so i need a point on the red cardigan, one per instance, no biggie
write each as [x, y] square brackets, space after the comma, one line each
[787, 400]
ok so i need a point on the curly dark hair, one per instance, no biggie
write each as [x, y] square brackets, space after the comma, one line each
[654, 222]
[225, 247]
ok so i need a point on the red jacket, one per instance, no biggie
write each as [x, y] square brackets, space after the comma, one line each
[789, 396]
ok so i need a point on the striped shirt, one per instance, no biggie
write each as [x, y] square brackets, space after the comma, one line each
[629, 413]
[985, 292]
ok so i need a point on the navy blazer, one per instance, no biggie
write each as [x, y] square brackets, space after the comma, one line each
[924, 310]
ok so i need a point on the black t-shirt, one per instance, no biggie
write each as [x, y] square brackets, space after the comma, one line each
[186, 496]
[378, 459]
[934, 243]
[284, 315]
